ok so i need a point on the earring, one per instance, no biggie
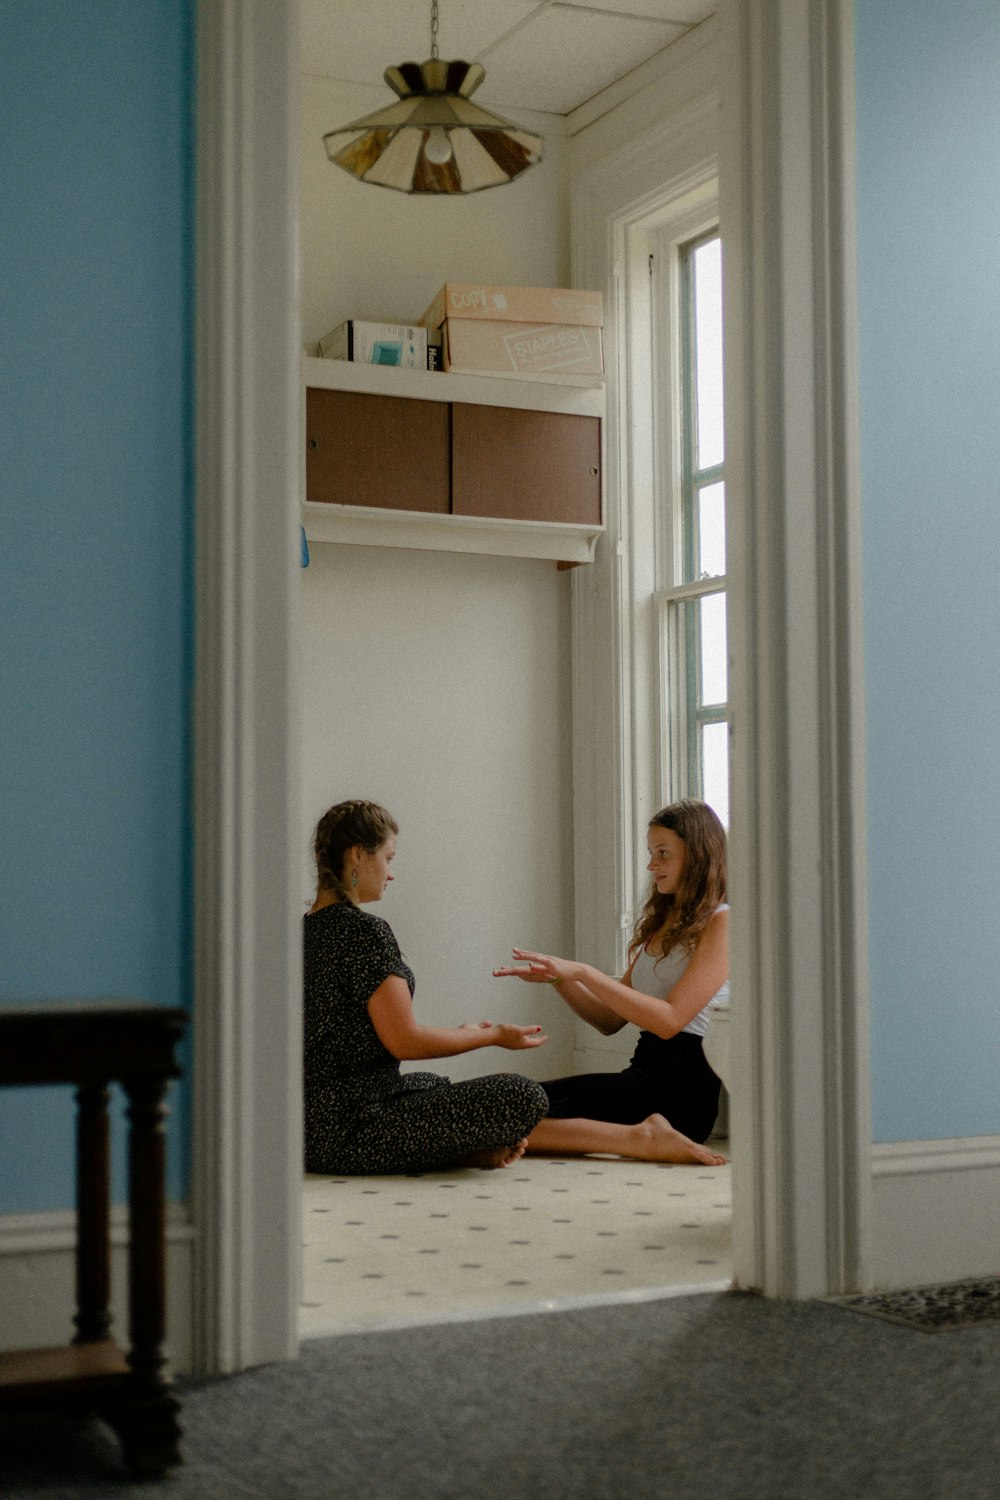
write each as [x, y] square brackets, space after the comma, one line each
[354, 880]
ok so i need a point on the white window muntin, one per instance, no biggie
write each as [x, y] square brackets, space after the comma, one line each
[690, 594]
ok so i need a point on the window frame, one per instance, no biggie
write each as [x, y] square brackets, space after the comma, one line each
[667, 240]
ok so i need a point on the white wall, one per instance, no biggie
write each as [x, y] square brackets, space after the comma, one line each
[370, 252]
[439, 684]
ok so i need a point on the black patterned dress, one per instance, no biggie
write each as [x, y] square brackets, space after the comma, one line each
[362, 1114]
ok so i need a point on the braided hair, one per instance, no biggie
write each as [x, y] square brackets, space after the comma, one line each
[347, 826]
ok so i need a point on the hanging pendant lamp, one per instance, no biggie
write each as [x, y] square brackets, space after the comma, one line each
[434, 140]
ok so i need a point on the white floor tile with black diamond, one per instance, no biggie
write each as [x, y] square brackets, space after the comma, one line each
[383, 1252]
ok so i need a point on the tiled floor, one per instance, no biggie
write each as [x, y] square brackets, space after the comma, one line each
[383, 1252]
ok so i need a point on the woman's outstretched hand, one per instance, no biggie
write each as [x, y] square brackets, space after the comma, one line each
[514, 1038]
[536, 968]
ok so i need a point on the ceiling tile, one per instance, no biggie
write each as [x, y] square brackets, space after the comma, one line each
[564, 57]
[356, 43]
[548, 55]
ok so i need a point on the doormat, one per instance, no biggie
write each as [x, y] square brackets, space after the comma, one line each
[950, 1304]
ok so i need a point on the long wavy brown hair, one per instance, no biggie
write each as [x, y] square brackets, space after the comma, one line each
[348, 825]
[681, 917]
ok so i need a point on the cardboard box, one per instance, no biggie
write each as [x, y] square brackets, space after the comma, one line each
[514, 304]
[528, 350]
[377, 344]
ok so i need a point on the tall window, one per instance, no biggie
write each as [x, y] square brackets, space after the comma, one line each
[692, 604]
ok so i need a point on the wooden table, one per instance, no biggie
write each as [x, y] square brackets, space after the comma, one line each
[91, 1044]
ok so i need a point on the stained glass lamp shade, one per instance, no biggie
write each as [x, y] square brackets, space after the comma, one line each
[434, 140]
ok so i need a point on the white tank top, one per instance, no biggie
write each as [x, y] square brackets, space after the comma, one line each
[657, 976]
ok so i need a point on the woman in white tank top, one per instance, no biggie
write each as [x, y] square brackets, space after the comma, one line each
[663, 1105]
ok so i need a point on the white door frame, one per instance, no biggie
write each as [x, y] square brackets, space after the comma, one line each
[247, 1128]
[798, 850]
[802, 1118]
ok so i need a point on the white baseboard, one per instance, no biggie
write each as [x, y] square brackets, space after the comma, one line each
[37, 1281]
[935, 1211]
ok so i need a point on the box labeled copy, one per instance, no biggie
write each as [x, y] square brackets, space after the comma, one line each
[377, 344]
[514, 304]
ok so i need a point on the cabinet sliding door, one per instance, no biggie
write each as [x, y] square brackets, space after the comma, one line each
[386, 451]
[525, 465]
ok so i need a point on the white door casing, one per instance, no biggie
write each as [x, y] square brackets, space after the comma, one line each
[800, 981]
[247, 1128]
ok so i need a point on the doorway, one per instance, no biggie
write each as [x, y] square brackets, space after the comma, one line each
[799, 944]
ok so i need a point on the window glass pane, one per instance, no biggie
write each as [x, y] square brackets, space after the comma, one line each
[708, 352]
[712, 531]
[712, 625]
[715, 769]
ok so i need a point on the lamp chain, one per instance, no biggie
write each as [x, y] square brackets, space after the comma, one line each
[434, 28]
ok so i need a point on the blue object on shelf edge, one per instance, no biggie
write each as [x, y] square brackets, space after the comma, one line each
[305, 548]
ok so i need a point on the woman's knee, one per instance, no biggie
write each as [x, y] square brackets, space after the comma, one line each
[525, 1098]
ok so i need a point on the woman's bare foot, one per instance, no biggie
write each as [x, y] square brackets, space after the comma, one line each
[657, 1140]
[502, 1156]
[653, 1139]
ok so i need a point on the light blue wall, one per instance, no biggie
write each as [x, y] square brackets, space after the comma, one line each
[95, 486]
[929, 258]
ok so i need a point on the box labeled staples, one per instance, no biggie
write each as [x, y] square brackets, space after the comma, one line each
[523, 349]
[514, 304]
[377, 344]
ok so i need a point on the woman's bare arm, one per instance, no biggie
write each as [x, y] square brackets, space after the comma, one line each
[391, 1012]
[589, 1008]
[576, 995]
[706, 973]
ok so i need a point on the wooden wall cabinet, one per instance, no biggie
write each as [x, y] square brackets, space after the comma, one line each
[382, 451]
[451, 462]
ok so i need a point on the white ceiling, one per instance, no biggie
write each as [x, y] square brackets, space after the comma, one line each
[550, 55]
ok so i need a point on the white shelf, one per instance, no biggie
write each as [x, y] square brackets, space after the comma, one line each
[585, 400]
[366, 526]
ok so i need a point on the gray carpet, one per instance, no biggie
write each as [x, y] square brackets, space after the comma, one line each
[712, 1397]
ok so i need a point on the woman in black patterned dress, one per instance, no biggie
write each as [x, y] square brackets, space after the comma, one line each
[363, 1115]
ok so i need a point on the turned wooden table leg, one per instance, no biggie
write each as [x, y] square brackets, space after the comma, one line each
[93, 1241]
[147, 1217]
[90, 1044]
[147, 1420]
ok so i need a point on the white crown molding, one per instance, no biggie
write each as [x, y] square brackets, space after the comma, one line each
[643, 157]
[678, 57]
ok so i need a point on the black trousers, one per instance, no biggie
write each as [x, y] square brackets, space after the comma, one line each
[666, 1077]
